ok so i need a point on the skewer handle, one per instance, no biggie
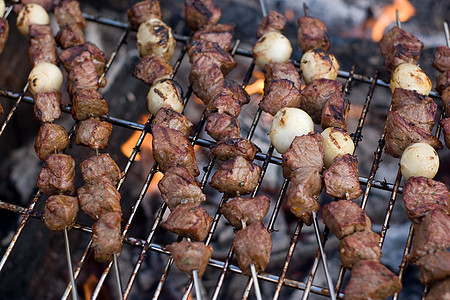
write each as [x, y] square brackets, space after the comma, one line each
[69, 264]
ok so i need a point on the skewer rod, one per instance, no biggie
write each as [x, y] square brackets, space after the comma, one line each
[263, 8]
[255, 280]
[196, 285]
[397, 19]
[447, 34]
[69, 264]
[117, 275]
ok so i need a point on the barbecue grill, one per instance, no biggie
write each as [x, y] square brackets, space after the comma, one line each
[278, 277]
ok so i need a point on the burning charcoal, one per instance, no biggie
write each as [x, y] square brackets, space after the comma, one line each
[222, 34]
[304, 151]
[189, 220]
[190, 256]
[78, 54]
[101, 165]
[316, 94]
[60, 211]
[203, 75]
[249, 210]
[172, 147]
[69, 13]
[237, 175]
[361, 245]
[335, 111]
[439, 290]
[445, 124]
[47, 106]
[434, 266]
[222, 126]
[69, 36]
[344, 218]
[93, 133]
[51, 138]
[442, 59]
[4, 33]
[443, 81]
[422, 195]
[169, 118]
[106, 236]
[88, 103]
[371, 280]
[99, 197]
[281, 93]
[42, 45]
[83, 75]
[142, 11]
[277, 71]
[226, 96]
[341, 178]
[227, 149]
[152, 68]
[252, 244]
[312, 34]
[303, 192]
[200, 14]
[212, 53]
[274, 21]
[179, 186]
[58, 175]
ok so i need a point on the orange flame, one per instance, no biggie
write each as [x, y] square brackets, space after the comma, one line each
[127, 147]
[405, 11]
[89, 286]
[258, 86]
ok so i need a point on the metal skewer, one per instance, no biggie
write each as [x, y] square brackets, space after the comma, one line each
[397, 19]
[69, 264]
[447, 34]
[196, 281]
[254, 273]
[117, 275]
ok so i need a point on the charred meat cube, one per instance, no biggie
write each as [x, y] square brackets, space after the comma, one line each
[101, 165]
[142, 11]
[248, 210]
[222, 34]
[83, 75]
[69, 36]
[443, 81]
[179, 186]
[304, 151]
[77, 54]
[371, 280]
[303, 192]
[224, 104]
[345, 217]
[430, 235]
[237, 175]
[190, 256]
[312, 34]
[445, 124]
[442, 59]
[106, 236]
[152, 68]
[99, 197]
[222, 126]
[341, 178]
[172, 147]
[226, 96]
[203, 75]
[316, 94]
[361, 245]
[397, 47]
[88, 103]
[169, 118]
[60, 211]
[281, 93]
[335, 111]
[42, 45]
[445, 95]
[200, 14]
[422, 195]
[189, 221]
[47, 106]
[212, 53]
[51, 138]
[274, 21]
[252, 245]
[278, 71]
[227, 149]
[93, 133]
[439, 290]
[58, 175]
[69, 13]
[4, 33]
[434, 266]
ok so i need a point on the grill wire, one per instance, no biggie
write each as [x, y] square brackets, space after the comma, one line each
[267, 158]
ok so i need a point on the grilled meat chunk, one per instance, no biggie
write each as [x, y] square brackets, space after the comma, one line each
[312, 34]
[50, 139]
[434, 266]
[69, 13]
[445, 124]
[172, 147]
[252, 244]
[221, 126]
[303, 192]
[88, 103]
[248, 210]
[60, 211]
[189, 220]
[443, 81]
[227, 149]
[371, 280]
[226, 96]
[93, 133]
[190, 256]
[274, 21]
[335, 111]
[212, 53]
[4, 33]
[341, 178]
[278, 71]
[361, 245]
[69, 36]
[101, 165]
[58, 175]
[440, 290]
[345, 217]
[99, 197]
[169, 118]
[203, 75]
[47, 106]
[42, 45]
[200, 14]
[152, 68]
[106, 236]
[316, 94]
[77, 54]
[430, 235]
[442, 59]
[222, 34]
[304, 151]
[142, 11]
[83, 75]
[179, 186]
[445, 95]
[422, 195]
[237, 175]
[281, 93]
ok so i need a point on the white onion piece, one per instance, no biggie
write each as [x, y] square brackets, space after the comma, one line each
[410, 77]
[2, 8]
[271, 47]
[288, 123]
[154, 37]
[317, 63]
[164, 93]
[336, 142]
[419, 159]
[45, 77]
[31, 14]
